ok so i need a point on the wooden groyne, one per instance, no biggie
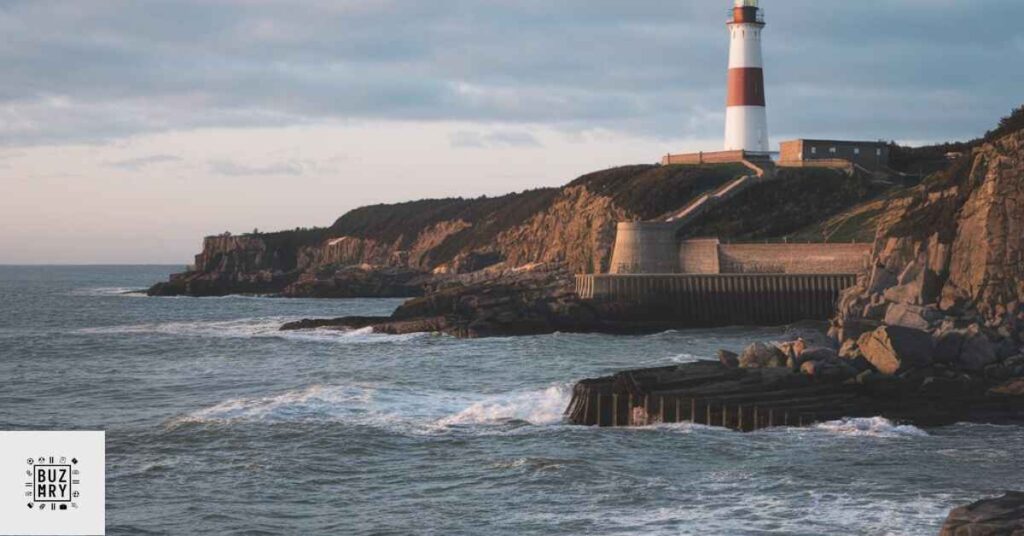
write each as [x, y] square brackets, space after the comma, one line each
[722, 299]
[708, 393]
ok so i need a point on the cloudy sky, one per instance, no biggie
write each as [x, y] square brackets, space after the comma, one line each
[130, 129]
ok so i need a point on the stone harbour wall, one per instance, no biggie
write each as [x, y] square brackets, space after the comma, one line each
[793, 258]
[718, 300]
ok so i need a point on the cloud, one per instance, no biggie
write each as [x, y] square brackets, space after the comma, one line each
[234, 169]
[499, 138]
[88, 72]
[136, 164]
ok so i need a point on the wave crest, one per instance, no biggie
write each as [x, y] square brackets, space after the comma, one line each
[395, 409]
[870, 426]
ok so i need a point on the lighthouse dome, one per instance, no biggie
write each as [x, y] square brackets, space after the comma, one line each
[745, 3]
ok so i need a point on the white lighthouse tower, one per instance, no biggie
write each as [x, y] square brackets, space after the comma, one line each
[746, 119]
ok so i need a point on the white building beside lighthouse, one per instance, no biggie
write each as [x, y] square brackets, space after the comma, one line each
[746, 118]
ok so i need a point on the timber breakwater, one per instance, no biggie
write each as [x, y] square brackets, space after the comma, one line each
[712, 394]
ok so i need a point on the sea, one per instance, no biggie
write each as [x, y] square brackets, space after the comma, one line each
[218, 423]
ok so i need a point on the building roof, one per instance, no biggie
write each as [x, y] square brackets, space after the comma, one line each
[858, 142]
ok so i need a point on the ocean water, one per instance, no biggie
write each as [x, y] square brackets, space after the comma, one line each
[219, 424]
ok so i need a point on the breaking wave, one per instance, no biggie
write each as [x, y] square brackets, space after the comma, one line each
[541, 408]
[247, 328]
[390, 408]
[129, 292]
[872, 427]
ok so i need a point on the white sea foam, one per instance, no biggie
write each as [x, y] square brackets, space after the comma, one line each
[250, 327]
[871, 426]
[388, 407]
[685, 358]
[540, 408]
[128, 292]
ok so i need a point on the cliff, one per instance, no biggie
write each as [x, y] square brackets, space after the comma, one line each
[404, 249]
[949, 254]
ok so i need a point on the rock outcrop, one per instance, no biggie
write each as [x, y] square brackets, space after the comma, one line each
[408, 249]
[1000, 516]
[945, 293]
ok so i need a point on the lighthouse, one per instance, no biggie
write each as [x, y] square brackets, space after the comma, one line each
[746, 118]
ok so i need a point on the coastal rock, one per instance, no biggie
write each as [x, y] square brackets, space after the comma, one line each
[1013, 387]
[949, 253]
[1002, 516]
[849, 349]
[976, 353]
[948, 346]
[912, 316]
[359, 282]
[894, 349]
[348, 322]
[850, 329]
[729, 359]
[832, 370]
[762, 355]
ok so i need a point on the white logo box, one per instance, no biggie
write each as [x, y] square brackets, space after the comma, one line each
[52, 483]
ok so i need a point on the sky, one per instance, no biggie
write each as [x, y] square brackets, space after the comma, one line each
[131, 129]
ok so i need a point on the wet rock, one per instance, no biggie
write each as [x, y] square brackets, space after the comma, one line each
[1013, 387]
[998, 372]
[948, 346]
[819, 354]
[796, 360]
[976, 354]
[762, 355]
[894, 349]
[832, 370]
[1002, 516]
[348, 322]
[945, 387]
[859, 363]
[729, 359]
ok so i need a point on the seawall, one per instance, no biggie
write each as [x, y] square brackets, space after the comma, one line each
[717, 300]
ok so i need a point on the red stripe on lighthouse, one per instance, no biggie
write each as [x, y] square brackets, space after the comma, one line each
[746, 87]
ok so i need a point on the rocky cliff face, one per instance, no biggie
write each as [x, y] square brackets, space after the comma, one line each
[949, 261]
[399, 250]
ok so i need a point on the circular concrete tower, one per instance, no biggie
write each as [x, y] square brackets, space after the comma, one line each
[746, 119]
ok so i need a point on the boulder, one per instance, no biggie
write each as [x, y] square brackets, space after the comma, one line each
[819, 354]
[729, 359]
[761, 355]
[1002, 516]
[849, 349]
[853, 328]
[976, 353]
[912, 316]
[832, 370]
[811, 333]
[797, 353]
[876, 309]
[895, 349]
[948, 346]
